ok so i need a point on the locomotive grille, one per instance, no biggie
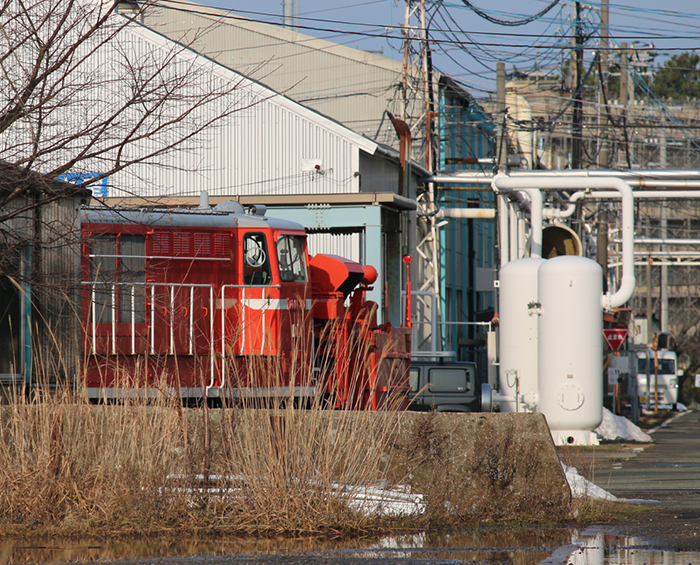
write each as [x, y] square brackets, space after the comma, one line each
[202, 245]
[222, 245]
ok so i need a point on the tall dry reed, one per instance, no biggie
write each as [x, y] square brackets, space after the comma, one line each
[148, 465]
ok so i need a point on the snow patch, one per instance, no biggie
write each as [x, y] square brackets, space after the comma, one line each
[583, 488]
[373, 501]
[618, 427]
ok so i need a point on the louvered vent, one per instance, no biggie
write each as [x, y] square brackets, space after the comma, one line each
[161, 244]
[202, 245]
[222, 245]
[183, 244]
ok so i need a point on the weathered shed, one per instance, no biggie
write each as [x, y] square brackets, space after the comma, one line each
[39, 277]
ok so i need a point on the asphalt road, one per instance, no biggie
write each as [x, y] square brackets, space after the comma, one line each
[666, 472]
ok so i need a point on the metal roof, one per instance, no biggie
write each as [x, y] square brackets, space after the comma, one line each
[349, 85]
[167, 217]
[388, 199]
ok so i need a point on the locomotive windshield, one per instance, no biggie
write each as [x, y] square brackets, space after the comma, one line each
[291, 259]
[256, 266]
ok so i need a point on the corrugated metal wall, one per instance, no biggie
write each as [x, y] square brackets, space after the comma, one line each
[351, 86]
[56, 325]
[345, 245]
[262, 142]
[46, 275]
[466, 245]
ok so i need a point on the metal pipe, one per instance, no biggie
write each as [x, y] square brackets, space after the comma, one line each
[504, 250]
[567, 212]
[467, 213]
[650, 178]
[661, 241]
[627, 283]
[513, 231]
[642, 194]
[535, 221]
[522, 238]
[509, 224]
[551, 213]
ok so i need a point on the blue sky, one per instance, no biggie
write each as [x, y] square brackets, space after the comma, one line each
[470, 49]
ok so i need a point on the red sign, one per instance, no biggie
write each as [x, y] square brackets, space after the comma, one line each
[615, 337]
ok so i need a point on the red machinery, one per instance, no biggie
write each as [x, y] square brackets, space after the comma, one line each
[222, 304]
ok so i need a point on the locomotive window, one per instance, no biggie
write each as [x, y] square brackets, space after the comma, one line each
[119, 273]
[256, 263]
[132, 276]
[104, 275]
[291, 259]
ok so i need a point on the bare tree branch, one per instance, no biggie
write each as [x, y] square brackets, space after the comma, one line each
[83, 89]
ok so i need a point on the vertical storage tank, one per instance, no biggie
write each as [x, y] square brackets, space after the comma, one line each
[518, 313]
[570, 348]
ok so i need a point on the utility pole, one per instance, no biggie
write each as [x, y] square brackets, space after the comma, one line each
[664, 269]
[602, 219]
[502, 151]
[626, 97]
[603, 148]
[624, 77]
[664, 233]
[577, 117]
[291, 13]
[417, 92]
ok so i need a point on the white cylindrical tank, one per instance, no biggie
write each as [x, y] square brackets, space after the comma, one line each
[570, 348]
[518, 320]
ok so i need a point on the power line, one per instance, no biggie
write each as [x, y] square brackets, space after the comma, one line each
[386, 35]
[498, 21]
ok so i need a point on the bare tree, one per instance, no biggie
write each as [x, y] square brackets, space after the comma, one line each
[84, 94]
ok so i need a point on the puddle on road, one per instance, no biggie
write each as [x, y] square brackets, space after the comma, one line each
[602, 549]
[523, 546]
[526, 546]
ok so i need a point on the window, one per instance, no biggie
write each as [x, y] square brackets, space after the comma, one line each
[414, 379]
[449, 380]
[291, 258]
[665, 366]
[256, 264]
[118, 270]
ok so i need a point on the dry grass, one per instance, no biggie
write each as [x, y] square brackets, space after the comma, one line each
[68, 467]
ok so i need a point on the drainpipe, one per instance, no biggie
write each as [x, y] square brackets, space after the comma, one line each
[626, 289]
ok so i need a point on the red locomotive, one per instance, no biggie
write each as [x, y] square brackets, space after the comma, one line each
[226, 304]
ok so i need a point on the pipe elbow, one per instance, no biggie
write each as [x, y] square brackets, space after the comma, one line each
[621, 296]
